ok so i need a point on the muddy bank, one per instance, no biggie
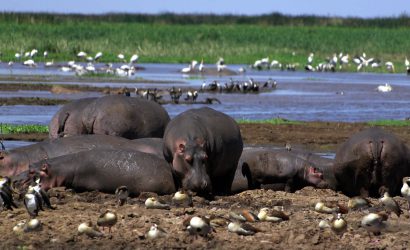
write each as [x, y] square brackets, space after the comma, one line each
[315, 136]
[31, 101]
[301, 231]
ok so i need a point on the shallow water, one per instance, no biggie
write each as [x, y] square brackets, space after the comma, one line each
[305, 96]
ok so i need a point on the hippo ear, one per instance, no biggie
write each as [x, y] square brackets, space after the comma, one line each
[44, 169]
[181, 148]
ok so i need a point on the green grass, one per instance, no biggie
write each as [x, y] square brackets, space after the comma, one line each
[22, 129]
[161, 42]
[400, 123]
[274, 121]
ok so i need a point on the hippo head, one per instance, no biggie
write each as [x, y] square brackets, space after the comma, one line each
[313, 175]
[47, 179]
[10, 164]
[190, 164]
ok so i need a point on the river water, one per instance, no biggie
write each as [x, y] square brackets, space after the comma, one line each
[304, 96]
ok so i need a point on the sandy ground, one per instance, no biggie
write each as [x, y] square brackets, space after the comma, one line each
[59, 227]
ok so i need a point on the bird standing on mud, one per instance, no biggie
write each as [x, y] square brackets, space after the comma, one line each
[107, 219]
[405, 190]
[390, 204]
[121, 194]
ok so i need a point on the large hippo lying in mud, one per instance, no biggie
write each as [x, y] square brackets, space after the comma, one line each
[204, 146]
[17, 160]
[370, 162]
[259, 166]
[105, 170]
[150, 145]
[116, 115]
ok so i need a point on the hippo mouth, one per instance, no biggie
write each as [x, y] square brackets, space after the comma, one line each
[312, 171]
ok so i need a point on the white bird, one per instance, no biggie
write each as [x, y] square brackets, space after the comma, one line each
[98, 56]
[49, 64]
[389, 66]
[274, 64]
[156, 232]
[81, 54]
[134, 58]
[198, 225]
[406, 63]
[374, 222]
[384, 88]
[33, 52]
[201, 66]
[27, 54]
[30, 63]
[310, 58]
[90, 67]
[65, 69]
[17, 56]
[405, 190]
[45, 54]
[121, 57]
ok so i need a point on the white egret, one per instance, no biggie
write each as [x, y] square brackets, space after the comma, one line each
[384, 88]
[134, 58]
[98, 56]
[81, 54]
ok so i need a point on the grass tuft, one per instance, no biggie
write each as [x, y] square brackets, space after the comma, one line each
[399, 123]
[22, 129]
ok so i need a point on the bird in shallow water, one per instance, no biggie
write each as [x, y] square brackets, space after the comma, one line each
[156, 232]
[121, 194]
[384, 88]
[405, 190]
[107, 219]
[90, 230]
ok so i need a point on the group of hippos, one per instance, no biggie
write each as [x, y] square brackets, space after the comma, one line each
[112, 141]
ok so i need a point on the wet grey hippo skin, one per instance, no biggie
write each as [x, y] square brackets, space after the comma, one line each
[265, 166]
[105, 170]
[370, 162]
[17, 160]
[116, 115]
[204, 146]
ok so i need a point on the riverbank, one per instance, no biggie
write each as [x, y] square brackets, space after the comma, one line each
[315, 136]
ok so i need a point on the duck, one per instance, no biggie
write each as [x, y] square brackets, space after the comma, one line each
[156, 232]
[374, 223]
[358, 202]
[384, 88]
[89, 229]
[198, 225]
[244, 229]
[107, 219]
[390, 205]
[274, 216]
[154, 203]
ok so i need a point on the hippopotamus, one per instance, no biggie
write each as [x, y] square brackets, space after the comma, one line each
[371, 162]
[150, 145]
[105, 170]
[17, 160]
[204, 146]
[68, 119]
[116, 115]
[259, 166]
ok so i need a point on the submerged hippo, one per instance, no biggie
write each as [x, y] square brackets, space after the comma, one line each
[17, 160]
[105, 170]
[204, 146]
[370, 162]
[266, 166]
[116, 115]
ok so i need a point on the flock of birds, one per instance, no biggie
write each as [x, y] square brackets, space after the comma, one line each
[239, 221]
[331, 63]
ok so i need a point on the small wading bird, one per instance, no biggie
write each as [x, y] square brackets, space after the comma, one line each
[156, 232]
[107, 219]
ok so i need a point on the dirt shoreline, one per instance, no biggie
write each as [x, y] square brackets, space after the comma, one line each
[315, 136]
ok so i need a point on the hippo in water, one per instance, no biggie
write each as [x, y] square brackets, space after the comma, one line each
[204, 146]
[105, 170]
[17, 160]
[262, 167]
[116, 115]
[370, 162]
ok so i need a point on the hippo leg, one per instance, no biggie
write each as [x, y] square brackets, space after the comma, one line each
[222, 186]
